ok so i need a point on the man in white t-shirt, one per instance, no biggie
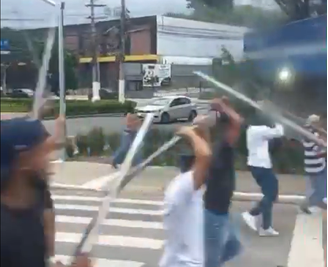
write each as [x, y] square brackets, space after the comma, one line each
[183, 207]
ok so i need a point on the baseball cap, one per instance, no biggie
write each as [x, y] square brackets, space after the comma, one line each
[19, 135]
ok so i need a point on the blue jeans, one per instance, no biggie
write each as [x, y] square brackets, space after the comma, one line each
[221, 242]
[318, 184]
[268, 183]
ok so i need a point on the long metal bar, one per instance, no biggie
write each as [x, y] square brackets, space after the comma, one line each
[255, 105]
[92, 230]
[61, 70]
[42, 78]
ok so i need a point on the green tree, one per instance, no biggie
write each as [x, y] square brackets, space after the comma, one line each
[28, 46]
[70, 64]
[226, 5]
[225, 68]
[248, 16]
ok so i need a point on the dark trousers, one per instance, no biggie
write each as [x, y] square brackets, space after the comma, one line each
[268, 183]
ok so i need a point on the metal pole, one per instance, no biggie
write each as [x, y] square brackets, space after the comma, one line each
[61, 69]
[4, 81]
[121, 82]
[95, 70]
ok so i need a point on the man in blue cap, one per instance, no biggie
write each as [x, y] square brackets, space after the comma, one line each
[25, 151]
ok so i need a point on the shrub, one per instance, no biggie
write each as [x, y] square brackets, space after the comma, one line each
[73, 107]
[96, 142]
[82, 144]
[289, 159]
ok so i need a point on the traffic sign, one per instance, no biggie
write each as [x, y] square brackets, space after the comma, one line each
[4, 47]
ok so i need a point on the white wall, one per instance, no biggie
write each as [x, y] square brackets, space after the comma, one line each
[188, 38]
[186, 60]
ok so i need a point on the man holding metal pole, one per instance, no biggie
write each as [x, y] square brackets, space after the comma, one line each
[183, 207]
[259, 135]
[25, 151]
[221, 242]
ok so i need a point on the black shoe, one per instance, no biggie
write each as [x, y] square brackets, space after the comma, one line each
[305, 210]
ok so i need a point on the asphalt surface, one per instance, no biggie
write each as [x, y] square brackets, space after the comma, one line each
[109, 124]
[154, 179]
[143, 244]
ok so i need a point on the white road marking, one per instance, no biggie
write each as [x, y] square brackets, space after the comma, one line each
[69, 186]
[306, 248]
[110, 222]
[115, 210]
[114, 241]
[98, 262]
[99, 183]
[99, 199]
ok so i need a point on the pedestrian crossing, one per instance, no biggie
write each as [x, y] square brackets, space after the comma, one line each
[131, 236]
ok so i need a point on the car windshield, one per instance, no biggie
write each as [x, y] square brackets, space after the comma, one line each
[160, 102]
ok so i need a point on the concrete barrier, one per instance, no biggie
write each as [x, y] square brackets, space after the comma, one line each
[306, 248]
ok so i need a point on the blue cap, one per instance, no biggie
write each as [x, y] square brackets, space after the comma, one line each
[18, 135]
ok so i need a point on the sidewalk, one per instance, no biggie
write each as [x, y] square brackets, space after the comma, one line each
[155, 178]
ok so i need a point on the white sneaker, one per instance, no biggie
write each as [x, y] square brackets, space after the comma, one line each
[268, 232]
[251, 221]
[315, 210]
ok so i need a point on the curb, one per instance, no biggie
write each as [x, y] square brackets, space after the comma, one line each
[282, 199]
[89, 116]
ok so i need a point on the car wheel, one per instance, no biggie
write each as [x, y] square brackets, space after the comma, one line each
[165, 118]
[192, 115]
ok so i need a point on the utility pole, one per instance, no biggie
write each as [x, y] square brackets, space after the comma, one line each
[95, 69]
[121, 82]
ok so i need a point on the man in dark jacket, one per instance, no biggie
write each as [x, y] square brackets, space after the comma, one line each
[25, 150]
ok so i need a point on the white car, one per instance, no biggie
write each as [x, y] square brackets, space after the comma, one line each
[169, 108]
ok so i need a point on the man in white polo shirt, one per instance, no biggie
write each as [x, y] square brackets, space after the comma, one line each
[258, 136]
[183, 207]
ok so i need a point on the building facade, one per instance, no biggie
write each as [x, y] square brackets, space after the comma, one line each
[154, 39]
[185, 44]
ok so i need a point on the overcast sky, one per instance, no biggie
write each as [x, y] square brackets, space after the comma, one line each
[76, 12]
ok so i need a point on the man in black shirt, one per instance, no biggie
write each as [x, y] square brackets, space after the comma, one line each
[221, 243]
[25, 150]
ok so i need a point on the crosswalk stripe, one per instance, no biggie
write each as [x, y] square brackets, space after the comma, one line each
[112, 209]
[115, 241]
[99, 199]
[110, 222]
[97, 262]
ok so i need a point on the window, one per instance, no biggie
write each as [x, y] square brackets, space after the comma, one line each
[184, 101]
[175, 102]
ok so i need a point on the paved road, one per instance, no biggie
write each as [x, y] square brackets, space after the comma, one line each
[133, 235]
[154, 179]
[109, 124]
[84, 125]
